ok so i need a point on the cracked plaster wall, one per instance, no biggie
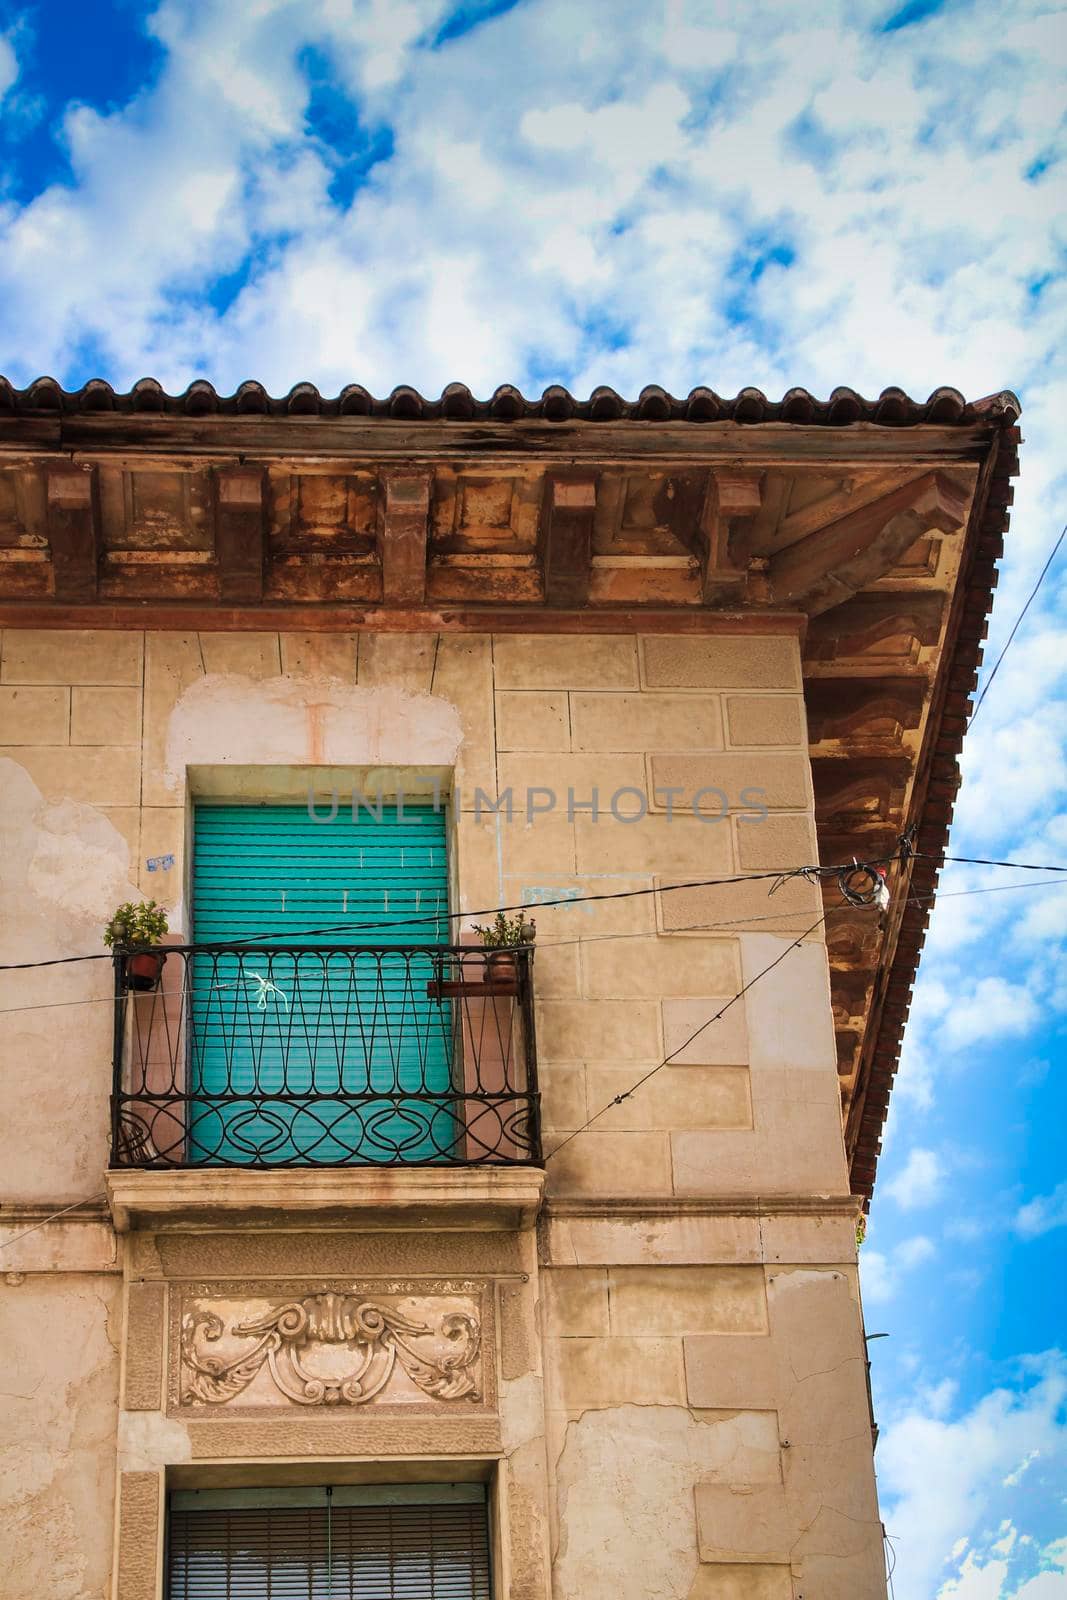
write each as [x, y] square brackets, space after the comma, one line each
[745, 1471]
[626, 1477]
[669, 1400]
[64, 866]
[58, 1400]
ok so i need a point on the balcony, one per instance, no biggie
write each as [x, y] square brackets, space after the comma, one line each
[268, 1057]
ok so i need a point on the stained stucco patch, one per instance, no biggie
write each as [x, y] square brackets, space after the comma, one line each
[228, 720]
[64, 868]
[57, 1436]
[625, 1482]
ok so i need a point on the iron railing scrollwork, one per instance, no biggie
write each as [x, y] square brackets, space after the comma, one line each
[322, 1056]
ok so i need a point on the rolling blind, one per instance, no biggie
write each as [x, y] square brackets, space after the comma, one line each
[378, 1549]
[319, 1027]
[275, 869]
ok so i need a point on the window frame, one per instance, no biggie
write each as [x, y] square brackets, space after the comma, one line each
[320, 1496]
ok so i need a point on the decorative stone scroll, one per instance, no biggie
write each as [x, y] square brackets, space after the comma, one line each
[339, 1347]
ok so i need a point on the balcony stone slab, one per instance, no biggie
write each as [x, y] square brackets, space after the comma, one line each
[356, 1198]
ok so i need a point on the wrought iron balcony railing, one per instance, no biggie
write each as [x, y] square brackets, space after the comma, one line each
[313, 1056]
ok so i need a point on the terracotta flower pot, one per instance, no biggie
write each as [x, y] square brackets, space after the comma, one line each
[143, 971]
[503, 966]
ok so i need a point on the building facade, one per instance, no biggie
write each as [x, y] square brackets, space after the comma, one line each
[343, 1255]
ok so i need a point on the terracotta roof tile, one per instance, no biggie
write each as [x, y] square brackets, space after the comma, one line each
[891, 408]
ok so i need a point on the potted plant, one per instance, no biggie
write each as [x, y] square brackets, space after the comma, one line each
[501, 938]
[135, 929]
[496, 972]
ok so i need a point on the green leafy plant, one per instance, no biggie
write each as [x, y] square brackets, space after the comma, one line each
[504, 932]
[132, 925]
[861, 1230]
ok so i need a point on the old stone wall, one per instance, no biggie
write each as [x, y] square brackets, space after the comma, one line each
[702, 1429]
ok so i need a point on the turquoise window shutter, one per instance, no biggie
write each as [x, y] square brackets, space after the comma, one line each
[313, 1033]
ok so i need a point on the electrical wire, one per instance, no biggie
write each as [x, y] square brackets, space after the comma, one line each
[490, 911]
[619, 1098]
[890, 1562]
[90, 1200]
[851, 903]
[811, 872]
[989, 888]
[1018, 623]
[984, 861]
[853, 900]
[742, 923]
[542, 944]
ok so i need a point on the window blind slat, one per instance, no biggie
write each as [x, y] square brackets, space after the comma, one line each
[340, 1552]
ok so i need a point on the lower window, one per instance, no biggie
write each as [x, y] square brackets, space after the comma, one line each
[350, 1542]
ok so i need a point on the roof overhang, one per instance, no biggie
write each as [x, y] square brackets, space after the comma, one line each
[871, 527]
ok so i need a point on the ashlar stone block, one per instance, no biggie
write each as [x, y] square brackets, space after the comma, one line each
[646, 722]
[100, 775]
[533, 720]
[162, 836]
[463, 675]
[655, 844]
[688, 1300]
[792, 908]
[730, 662]
[617, 1372]
[721, 1043]
[778, 781]
[598, 1030]
[625, 1478]
[74, 655]
[728, 1580]
[605, 1163]
[639, 968]
[533, 848]
[781, 841]
[104, 715]
[397, 660]
[249, 655]
[320, 655]
[753, 719]
[564, 1105]
[573, 778]
[536, 661]
[31, 715]
[576, 1302]
[677, 1097]
[823, 1518]
[172, 663]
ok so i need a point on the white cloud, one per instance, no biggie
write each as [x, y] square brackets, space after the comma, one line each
[880, 1273]
[878, 1285]
[943, 1484]
[9, 66]
[919, 1182]
[913, 1252]
[985, 1576]
[1016, 1473]
[1043, 1213]
[976, 1581]
[675, 177]
[992, 1008]
[732, 193]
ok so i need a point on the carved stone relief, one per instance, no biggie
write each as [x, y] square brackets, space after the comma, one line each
[380, 1344]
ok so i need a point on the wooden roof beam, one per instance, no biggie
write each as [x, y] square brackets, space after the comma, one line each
[567, 539]
[733, 501]
[405, 518]
[834, 563]
[240, 534]
[74, 532]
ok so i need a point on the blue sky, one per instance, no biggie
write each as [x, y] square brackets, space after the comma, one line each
[680, 192]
